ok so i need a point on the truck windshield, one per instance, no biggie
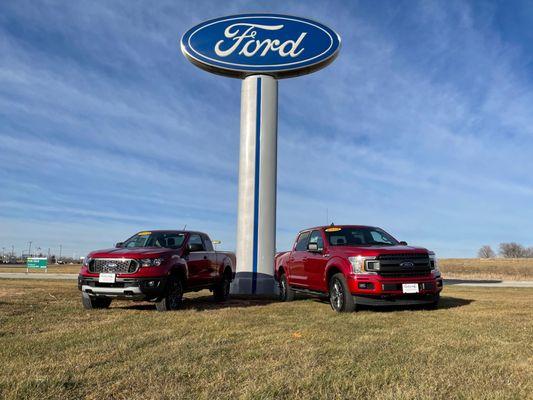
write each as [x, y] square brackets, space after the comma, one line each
[364, 236]
[172, 240]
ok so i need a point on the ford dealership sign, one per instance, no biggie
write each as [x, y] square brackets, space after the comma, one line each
[248, 44]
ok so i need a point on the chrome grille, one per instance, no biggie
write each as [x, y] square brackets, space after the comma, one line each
[391, 264]
[116, 265]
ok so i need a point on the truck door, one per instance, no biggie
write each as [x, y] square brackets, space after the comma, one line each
[297, 260]
[214, 258]
[198, 261]
[315, 263]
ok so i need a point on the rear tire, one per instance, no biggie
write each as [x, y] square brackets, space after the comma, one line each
[173, 298]
[221, 289]
[285, 291]
[92, 302]
[340, 298]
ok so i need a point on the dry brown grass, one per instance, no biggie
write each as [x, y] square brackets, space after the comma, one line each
[519, 269]
[477, 345]
[55, 269]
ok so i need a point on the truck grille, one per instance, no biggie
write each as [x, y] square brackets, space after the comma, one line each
[118, 266]
[414, 264]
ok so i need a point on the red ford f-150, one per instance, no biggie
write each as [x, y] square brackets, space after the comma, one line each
[358, 265]
[157, 266]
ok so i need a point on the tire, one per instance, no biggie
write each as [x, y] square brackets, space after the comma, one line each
[92, 302]
[221, 289]
[285, 291]
[435, 304]
[173, 297]
[340, 298]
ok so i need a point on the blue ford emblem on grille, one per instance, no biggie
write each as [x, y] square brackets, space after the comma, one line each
[278, 45]
[407, 264]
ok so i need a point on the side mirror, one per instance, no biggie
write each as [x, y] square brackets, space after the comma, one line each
[403, 243]
[313, 247]
[119, 244]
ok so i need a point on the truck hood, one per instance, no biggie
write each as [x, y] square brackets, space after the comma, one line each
[373, 251]
[140, 252]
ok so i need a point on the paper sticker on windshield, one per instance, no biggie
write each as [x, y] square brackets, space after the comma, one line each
[144, 233]
[336, 229]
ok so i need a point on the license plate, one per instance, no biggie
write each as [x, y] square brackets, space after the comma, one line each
[410, 287]
[106, 278]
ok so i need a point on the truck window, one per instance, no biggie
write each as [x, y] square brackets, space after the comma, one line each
[316, 237]
[207, 242]
[301, 245]
[195, 243]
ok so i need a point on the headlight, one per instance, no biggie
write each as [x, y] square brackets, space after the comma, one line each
[86, 261]
[433, 262]
[151, 262]
[364, 265]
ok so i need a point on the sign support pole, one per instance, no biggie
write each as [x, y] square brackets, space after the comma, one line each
[256, 223]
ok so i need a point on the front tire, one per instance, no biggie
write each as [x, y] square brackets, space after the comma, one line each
[221, 289]
[92, 302]
[285, 291]
[173, 298]
[340, 298]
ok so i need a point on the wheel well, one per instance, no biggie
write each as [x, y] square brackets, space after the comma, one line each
[332, 271]
[281, 271]
[228, 271]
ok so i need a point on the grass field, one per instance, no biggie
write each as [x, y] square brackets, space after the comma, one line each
[520, 269]
[55, 269]
[477, 345]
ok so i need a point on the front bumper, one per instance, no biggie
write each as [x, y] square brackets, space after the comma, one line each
[378, 290]
[126, 288]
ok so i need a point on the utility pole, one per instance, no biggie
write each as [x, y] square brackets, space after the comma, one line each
[13, 250]
[29, 248]
[60, 248]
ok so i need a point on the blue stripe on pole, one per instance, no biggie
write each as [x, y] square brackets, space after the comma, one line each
[256, 183]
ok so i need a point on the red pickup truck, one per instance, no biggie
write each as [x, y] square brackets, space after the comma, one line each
[157, 266]
[358, 265]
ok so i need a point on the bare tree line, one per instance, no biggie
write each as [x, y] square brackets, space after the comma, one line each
[507, 250]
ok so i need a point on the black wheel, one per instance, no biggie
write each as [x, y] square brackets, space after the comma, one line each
[434, 304]
[91, 302]
[221, 289]
[285, 291]
[340, 298]
[173, 297]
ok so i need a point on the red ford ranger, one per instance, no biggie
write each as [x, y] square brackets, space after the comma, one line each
[157, 266]
[358, 265]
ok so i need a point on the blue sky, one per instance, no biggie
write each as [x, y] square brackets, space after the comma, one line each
[423, 125]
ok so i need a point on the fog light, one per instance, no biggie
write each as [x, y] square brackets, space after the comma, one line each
[151, 283]
[366, 285]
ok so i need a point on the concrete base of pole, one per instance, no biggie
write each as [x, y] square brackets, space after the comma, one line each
[265, 285]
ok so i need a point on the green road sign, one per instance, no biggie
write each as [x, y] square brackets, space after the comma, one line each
[37, 262]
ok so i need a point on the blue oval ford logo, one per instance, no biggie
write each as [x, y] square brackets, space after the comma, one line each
[407, 264]
[278, 45]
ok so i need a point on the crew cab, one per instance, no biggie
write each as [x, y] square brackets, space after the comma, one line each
[355, 264]
[157, 266]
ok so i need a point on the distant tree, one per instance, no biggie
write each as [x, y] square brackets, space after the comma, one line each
[512, 250]
[529, 252]
[486, 252]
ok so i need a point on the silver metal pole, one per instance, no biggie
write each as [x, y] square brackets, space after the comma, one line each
[256, 221]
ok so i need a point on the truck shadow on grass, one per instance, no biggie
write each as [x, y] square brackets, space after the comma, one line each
[444, 304]
[205, 303]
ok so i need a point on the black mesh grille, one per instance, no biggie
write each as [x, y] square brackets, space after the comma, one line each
[404, 265]
[121, 266]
